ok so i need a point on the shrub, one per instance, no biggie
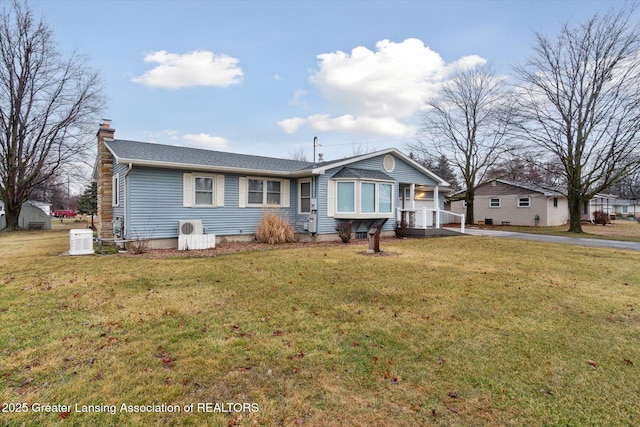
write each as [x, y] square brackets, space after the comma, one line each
[601, 218]
[344, 231]
[139, 246]
[274, 229]
[401, 229]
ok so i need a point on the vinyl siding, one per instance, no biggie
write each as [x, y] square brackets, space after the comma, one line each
[540, 205]
[120, 170]
[509, 210]
[558, 215]
[154, 201]
[155, 206]
[402, 173]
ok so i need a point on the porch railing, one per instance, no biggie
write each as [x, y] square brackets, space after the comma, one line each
[410, 216]
[456, 215]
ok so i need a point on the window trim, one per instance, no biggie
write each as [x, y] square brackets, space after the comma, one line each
[357, 202]
[379, 198]
[189, 190]
[265, 192]
[355, 197]
[528, 201]
[300, 182]
[213, 191]
[375, 197]
[284, 192]
[491, 206]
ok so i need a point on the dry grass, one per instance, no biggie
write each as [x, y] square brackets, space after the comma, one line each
[274, 229]
[617, 230]
[449, 332]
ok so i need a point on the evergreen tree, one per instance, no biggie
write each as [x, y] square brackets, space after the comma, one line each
[88, 202]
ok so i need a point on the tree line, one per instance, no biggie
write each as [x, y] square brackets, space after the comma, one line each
[570, 120]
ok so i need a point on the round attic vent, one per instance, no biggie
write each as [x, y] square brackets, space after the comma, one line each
[389, 163]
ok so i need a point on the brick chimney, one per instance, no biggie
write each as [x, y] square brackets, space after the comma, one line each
[105, 173]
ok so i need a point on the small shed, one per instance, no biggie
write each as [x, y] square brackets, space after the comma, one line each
[32, 217]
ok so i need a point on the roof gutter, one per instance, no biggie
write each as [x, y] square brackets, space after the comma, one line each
[204, 168]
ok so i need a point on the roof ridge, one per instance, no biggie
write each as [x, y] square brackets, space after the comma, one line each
[229, 153]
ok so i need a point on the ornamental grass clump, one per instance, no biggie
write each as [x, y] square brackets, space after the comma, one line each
[274, 229]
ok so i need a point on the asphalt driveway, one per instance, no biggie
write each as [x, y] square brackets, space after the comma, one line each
[596, 243]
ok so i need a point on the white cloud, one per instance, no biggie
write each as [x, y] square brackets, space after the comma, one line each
[198, 68]
[373, 93]
[298, 99]
[292, 125]
[203, 140]
[363, 125]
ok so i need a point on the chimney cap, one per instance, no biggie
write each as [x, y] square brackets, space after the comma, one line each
[105, 123]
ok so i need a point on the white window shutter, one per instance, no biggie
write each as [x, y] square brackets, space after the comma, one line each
[187, 190]
[219, 190]
[286, 191]
[242, 192]
[331, 198]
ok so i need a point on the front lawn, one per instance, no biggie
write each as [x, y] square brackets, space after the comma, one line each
[621, 229]
[460, 331]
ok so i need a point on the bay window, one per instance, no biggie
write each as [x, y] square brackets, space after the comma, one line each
[385, 192]
[367, 197]
[346, 197]
[363, 199]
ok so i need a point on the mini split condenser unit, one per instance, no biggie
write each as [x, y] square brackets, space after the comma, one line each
[191, 236]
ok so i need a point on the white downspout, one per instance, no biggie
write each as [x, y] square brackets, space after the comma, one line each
[436, 201]
[124, 202]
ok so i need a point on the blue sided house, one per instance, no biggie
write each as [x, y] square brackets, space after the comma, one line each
[160, 192]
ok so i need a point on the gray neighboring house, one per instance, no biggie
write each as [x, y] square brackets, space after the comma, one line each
[33, 216]
[626, 208]
[507, 202]
[149, 190]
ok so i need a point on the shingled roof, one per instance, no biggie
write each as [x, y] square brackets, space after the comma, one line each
[362, 174]
[149, 154]
[186, 158]
[546, 191]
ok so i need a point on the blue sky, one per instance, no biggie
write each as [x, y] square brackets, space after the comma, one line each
[265, 77]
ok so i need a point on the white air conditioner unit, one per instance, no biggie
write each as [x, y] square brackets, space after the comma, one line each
[190, 227]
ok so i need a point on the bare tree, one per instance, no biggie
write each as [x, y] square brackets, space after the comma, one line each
[47, 106]
[467, 122]
[298, 154]
[580, 103]
[628, 187]
[528, 168]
